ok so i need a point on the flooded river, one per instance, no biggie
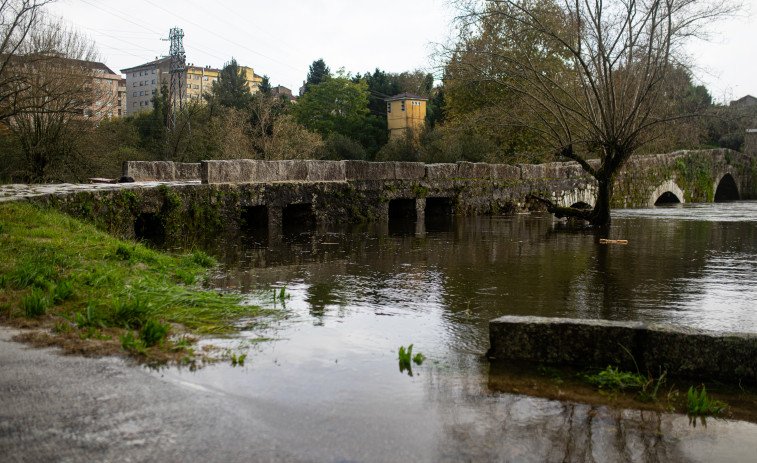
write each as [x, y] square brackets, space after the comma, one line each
[329, 382]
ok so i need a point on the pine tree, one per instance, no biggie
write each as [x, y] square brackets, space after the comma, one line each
[231, 89]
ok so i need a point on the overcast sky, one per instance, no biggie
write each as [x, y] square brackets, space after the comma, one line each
[282, 38]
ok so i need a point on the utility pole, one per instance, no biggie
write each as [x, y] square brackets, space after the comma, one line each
[177, 70]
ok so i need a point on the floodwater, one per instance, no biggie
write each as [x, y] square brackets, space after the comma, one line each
[329, 382]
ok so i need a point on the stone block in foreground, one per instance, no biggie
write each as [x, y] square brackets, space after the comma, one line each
[599, 343]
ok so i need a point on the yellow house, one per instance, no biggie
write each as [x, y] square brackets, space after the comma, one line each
[405, 111]
[200, 81]
[253, 80]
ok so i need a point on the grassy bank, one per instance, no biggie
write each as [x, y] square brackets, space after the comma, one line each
[91, 293]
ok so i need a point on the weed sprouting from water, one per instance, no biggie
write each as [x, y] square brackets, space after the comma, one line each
[238, 361]
[280, 294]
[701, 404]
[406, 357]
[614, 379]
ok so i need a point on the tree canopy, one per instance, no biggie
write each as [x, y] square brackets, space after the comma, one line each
[588, 79]
[336, 105]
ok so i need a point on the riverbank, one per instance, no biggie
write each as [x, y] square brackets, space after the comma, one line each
[81, 289]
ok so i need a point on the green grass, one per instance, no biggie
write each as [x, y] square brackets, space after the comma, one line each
[52, 263]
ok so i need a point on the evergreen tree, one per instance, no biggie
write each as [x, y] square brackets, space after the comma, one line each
[231, 89]
[265, 86]
[318, 73]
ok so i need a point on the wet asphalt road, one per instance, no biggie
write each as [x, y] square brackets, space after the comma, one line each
[71, 409]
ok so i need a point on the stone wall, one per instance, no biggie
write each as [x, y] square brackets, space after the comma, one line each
[599, 343]
[162, 171]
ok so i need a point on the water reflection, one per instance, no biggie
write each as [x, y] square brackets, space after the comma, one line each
[358, 293]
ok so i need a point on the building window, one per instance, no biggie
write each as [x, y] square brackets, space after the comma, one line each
[134, 104]
[135, 94]
[153, 71]
[205, 78]
[98, 103]
[134, 74]
[153, 91]
[189, 85]
[153, 81]
[403, 105]
[141, 93]
[389, 107]
[142, 84]
[134, 84]
[197, 86]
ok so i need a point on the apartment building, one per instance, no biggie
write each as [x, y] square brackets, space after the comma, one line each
[108, 91]
[143, 81]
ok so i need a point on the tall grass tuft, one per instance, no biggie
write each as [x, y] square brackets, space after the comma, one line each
[35, 303]
[153, 332]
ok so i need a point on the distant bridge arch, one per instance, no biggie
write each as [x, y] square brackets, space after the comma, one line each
[665, 193]
[727, 189]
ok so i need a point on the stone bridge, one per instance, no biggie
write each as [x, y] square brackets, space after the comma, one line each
[216, 195]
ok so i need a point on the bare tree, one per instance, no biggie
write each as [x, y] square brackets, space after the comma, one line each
[591, 77]
[60, 100]
[17, 20]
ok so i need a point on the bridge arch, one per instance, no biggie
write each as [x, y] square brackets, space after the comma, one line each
[667, 192]
[727, 189]
[580, 196]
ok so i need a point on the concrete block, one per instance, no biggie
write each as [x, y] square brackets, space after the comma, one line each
[441, 171]
[325, 171]
[473, 170]
[505, 172]
[409, 170]
[531, 171]
[598, 343]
